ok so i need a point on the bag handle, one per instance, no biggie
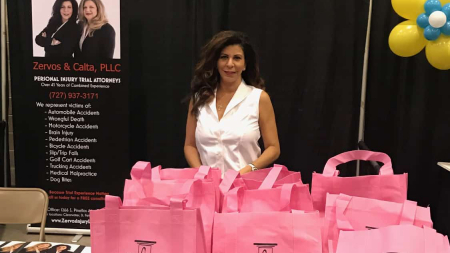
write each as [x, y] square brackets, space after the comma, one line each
[228, 180]
[287, 190]
[271, 178]
[156, 173]
[408, 214]
[112, 202]
[330, 166]
[138, 169]
[177, 201]
[232, 200]
[202, 172]
[342, 202]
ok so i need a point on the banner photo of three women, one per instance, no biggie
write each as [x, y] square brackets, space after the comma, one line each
[81, 29]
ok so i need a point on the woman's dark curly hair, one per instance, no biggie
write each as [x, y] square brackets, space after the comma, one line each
[206, 76]
[56, 19]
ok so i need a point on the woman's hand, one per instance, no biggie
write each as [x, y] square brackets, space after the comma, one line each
[245, 170]
[44, 34]
[55, 42]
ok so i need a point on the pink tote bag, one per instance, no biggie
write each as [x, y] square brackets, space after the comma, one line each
[400, 238]
[348, 213]
[119, 229]
[254, 179]
[271, 232]
[143, 171]
[265, 198]
[202, 197]
[385, 186]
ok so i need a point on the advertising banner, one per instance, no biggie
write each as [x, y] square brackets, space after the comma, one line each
[70, 104]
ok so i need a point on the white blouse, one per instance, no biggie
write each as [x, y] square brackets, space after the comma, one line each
[232, 142]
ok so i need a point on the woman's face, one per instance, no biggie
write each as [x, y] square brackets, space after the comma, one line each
[42, 246]
[66, 11]
[61, 248]
[89, 10]
[231, 63]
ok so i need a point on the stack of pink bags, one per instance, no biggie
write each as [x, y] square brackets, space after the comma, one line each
[371, 213]
[170, 210]
[275, 214]
[269, 210]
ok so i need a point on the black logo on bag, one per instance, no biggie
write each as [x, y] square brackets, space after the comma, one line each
[265, 247]
[145, 246]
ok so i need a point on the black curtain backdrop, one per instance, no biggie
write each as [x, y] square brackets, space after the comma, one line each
[408, 117]
[311, 56]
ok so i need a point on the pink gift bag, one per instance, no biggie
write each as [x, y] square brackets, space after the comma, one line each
[385, 186]
[254, 179]
[277, 232]
[263, 220]
[140, 169]
[399, 238]
[119, 229]
[265, 198]
[150, 185]
[143, 171]
[348, 213]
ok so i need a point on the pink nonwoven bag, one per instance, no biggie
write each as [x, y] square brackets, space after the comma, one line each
[254, 179]
[263, 220]
[143, 171]
[385, 186]
[173, 229]
[349, 213]
[150, 185]
[400, 238]
[265, 198]
[271, 232]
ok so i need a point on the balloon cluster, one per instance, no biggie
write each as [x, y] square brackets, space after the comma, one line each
[427, 25]
[435, 20]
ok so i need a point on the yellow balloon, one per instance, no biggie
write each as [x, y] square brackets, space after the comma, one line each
[444, 2]
[409, 9]
[406, 39]
[438, 52]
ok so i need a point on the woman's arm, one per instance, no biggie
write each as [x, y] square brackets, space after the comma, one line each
[43, 39]
[190, 149]
[108, 42]
[68, 38]
[269, 133]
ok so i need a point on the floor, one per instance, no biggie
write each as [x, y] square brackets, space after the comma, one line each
[19, 233]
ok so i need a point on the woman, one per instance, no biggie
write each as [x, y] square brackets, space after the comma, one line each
[10, 249]
[59, 248]
[61, 35]
[229, 111]
[38, 248]
[97, 35]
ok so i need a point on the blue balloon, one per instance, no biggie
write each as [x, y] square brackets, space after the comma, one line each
[446, 11]
[422, 20]
[432, 6]
[446, 28]
[431, 33]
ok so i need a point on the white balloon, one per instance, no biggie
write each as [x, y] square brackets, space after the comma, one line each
[437, 19]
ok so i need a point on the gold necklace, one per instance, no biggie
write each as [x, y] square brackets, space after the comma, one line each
[219, 107]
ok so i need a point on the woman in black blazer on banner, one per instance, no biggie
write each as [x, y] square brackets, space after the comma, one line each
[61, 35]
[98, 37]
